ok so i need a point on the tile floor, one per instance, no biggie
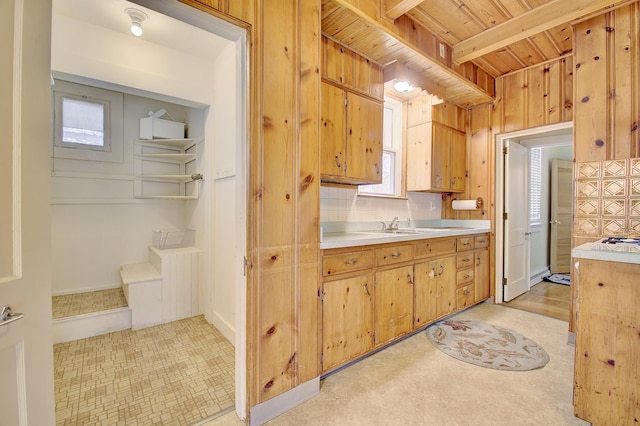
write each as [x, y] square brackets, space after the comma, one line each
[172, 374]
[82, 303]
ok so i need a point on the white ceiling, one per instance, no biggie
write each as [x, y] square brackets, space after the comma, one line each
[158, 28]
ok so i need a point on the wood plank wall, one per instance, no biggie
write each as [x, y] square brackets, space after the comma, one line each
[607, 106]
[284, 212]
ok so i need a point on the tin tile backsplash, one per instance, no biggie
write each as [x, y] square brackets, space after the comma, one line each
[607, 199]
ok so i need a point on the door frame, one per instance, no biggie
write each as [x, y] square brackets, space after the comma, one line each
[232, 31]
[538, 132]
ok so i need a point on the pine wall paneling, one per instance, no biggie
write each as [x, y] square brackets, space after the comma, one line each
[607, 94]
[284, 190]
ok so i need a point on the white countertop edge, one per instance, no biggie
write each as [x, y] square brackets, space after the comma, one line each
[586, 251]
[355, 239]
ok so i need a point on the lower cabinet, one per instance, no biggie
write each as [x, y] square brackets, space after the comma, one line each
[373, 295]
[347, 326]
[393, 303]
[435, 287]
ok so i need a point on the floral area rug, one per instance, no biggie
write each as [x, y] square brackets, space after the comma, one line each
[487, 345]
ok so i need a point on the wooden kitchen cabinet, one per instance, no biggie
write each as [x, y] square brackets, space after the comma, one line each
[373, 295]
[436, 158]
[393, 303]
[607, 356]
[472, 277]
[435, 286]
[347, 319]
[350, 137]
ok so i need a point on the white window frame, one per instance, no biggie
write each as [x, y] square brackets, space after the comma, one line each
[396, 147]
[113, 148]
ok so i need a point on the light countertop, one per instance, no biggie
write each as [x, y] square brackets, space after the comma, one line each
[607, 252]
[355, 235]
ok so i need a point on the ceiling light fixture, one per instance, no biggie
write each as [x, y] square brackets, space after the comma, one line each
[403, 87]
[137, 18]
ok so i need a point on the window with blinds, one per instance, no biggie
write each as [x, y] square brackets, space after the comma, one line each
[535, 185]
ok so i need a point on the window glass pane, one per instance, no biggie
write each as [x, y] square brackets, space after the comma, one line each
[82, 122]
[387, 187]
[387, 128]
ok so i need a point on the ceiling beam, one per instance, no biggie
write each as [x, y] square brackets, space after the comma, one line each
[393, 9]
[535, 21]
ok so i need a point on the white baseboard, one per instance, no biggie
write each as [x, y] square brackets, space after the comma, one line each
[227, 330]
[537, 276]
[282, 403]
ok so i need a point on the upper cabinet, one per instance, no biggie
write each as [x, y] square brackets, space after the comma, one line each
[351, 122]
[436, 146]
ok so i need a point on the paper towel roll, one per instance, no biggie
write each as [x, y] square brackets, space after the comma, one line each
[464, 204]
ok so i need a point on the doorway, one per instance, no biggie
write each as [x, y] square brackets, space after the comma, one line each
[552, 141]
[214, 99]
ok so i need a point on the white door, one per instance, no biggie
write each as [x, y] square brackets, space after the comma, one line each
[26, 348]
[516, 224]
[561, 211]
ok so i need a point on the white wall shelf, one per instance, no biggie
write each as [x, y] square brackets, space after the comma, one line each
[166, 169]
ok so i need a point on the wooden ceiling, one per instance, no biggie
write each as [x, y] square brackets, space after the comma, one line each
[461, 47]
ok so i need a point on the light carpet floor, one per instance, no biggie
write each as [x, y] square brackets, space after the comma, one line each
[413, 383]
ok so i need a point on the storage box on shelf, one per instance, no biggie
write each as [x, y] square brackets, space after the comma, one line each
[166, 168]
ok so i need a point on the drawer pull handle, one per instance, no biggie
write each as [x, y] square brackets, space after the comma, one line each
[441, 270]
[338, 162]
[409, 279]
[468, 276]
[466, 260]
[351, 262]
[478, 263]
[466, 243]
[467, 292]
[396, 255]
[366, 288]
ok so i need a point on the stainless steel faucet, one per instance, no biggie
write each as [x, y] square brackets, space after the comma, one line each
[392, 225]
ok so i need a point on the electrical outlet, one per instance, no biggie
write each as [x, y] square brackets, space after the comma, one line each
[442, 51]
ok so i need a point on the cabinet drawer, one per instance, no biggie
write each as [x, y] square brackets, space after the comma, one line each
[333, 264]
[465, 243]
[464, 260]
[464, 276]
[435, 247]
[393, 254]
[464, 297]
[481, 241]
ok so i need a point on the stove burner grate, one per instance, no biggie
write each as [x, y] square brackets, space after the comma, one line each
[621, 240]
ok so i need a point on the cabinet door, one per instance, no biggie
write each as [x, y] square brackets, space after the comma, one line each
[458, 161]
[364, 139]
[332, 132]
[425, 291]
[347, 319]
[440, 158]
[446, 286]
[394, 303]
[481, 275]
[419, 157]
